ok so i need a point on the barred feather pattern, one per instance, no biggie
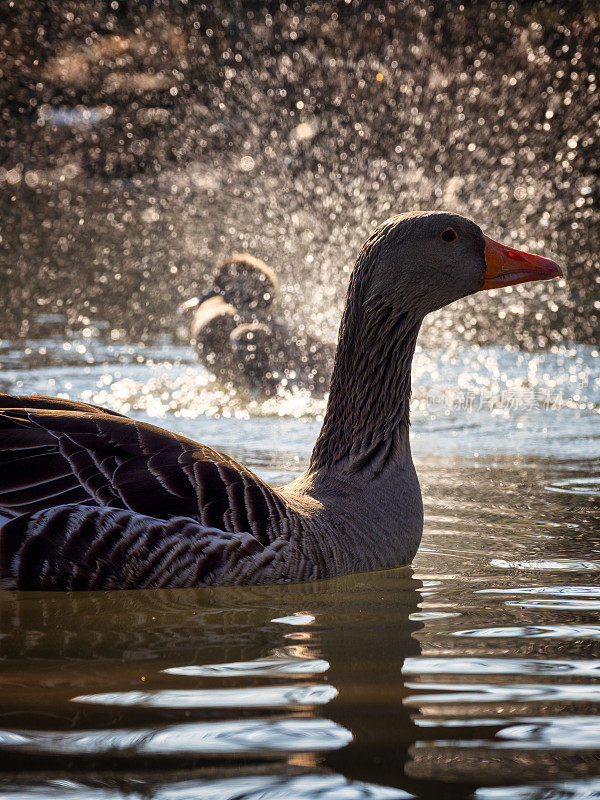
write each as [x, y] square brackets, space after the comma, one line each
[103, 501]
[86, 548]
[368, 409]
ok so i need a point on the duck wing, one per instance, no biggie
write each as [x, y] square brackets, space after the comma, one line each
[55, 452]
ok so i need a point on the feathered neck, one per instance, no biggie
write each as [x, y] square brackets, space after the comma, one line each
[367, 417]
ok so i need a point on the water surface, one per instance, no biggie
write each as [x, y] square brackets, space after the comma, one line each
[474, 673]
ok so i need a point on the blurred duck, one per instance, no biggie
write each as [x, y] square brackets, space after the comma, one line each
[239, 339]
[101, 501]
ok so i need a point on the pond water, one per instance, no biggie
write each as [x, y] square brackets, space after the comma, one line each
[475, 673]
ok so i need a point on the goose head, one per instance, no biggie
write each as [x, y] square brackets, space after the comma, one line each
[245, 282]
[422, 261]
[412, 264]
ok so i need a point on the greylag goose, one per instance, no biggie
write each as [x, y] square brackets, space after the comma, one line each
[104, 502]
[239, 338]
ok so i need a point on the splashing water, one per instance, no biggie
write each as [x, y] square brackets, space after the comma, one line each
[146, 142]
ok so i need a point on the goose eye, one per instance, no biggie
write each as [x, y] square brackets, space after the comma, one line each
[449, 235]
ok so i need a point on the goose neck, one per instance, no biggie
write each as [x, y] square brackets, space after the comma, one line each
[367, 419]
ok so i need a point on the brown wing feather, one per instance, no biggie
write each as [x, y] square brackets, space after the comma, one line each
[54, 452]
[84, 548]
[30, 401]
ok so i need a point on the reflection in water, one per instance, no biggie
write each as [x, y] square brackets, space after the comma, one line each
[557, 605]
[590, 486]
[534, 632]
[559, 591]
[181, 675]
[564, 564]
[247, 787]
[295, 619]
[557, 790]
[538, 713]
[498, 666]
[490, 693]
[252, 697]
[240, 737]
[280, 664]
[569, 732]
[132, 164]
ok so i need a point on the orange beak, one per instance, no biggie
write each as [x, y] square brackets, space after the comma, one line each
[507, 266]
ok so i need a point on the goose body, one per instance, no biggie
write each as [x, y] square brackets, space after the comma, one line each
[239, 337]
[100, 501]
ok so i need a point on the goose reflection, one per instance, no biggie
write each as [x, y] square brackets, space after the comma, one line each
[295, 691]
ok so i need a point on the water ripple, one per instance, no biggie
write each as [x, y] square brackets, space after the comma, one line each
[572, 731]
[498, 666]
[555, 565]
[586, 789]
[578, 486]
[247, 697]
[534, 632]
[246, 787]
[260, 666]
[230, 737]
[295, 619]
[575, 591]
[539, 733]
[489, 693]
[557, 605]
